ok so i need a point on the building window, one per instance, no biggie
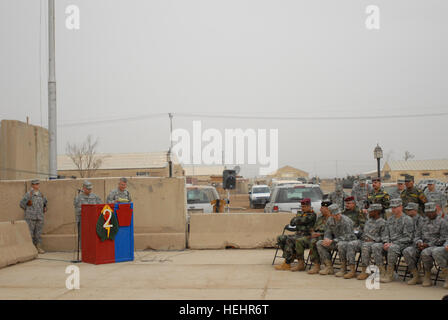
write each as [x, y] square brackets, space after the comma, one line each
[145, 174]
[425, 174]
[445, 173]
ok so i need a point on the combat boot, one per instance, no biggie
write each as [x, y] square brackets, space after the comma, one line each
[328, 268]
[415, 277]
[389, 275]
[382, 271]
[39, 248]
[363, 275]
[427, 279]
[445, 275]
[315, 269]
[351, 273]
[300, 266]
[283, 266]
[342, 271]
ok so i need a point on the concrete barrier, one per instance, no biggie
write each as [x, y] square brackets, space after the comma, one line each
[239, 230]
[15, 243]
[159, 210]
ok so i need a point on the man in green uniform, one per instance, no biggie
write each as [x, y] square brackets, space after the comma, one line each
[378, 195]
[304, 242]
[357, 216]
[318, 234]
[413, 194]
[303, 221]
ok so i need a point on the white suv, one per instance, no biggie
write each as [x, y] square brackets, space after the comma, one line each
[259, 195]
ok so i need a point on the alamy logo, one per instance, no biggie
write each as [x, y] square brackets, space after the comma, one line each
[373, 281]
[231, 147]
[73, 280]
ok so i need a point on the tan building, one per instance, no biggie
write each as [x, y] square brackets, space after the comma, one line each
[152, 164]
[420, 169]
[23, 151]
[288, 173]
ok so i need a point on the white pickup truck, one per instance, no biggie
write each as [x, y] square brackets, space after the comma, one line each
[259, 195]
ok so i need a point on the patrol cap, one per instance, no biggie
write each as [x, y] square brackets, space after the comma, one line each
[362, 177]
[375, 207]
[305, 202]
[431, 181]
[87, 184]
[376, 179]
[326, 203]
[35, 181]
[411, 206]
[396, 202]
[334, 209]
[430, 207]
[400, 181]
[408, 178]
[123, 179]
[349, 199]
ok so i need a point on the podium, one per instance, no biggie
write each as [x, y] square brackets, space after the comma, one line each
[118, 249]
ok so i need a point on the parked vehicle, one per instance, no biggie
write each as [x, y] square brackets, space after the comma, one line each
[287, 198]
[259, 195]
[199, 198]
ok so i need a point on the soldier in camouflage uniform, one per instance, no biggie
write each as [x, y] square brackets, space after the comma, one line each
[438, 197]
[440, 254]
[427, 238]
[357, 216]
[304, 242]
[303, 221]
[338, 233]
[378, 195]
[413, 194]
[396, 193]
[86, 196]
[374, 232]
[412, 211]
[121, 194]
[338, 195]
[35, 205]
[318, 234]
[361, 191]
[399, 235]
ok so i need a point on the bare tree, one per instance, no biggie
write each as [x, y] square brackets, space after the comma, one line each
[408, 155]
[84, 157]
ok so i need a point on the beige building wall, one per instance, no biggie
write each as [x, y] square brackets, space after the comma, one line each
[149, 172]
[23, 151]
[441, 175]
[159, 210]
[288, 172]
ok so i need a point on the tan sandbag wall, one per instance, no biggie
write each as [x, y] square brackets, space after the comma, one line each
[15, 243]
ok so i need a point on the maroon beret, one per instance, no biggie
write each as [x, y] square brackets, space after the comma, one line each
[305, 202]
[349, 199]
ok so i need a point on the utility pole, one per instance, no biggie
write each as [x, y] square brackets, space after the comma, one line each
[52, 117]
[170, 163]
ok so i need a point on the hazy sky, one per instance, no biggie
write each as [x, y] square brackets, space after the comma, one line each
[261, 58]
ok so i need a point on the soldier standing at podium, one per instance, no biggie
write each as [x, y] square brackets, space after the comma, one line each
[85, 196]
[120, 194]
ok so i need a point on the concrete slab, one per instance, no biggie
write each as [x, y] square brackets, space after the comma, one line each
[190, 274]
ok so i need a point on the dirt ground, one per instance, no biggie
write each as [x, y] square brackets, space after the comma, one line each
[191, 274]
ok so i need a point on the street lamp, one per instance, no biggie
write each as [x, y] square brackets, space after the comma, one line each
[378, 154]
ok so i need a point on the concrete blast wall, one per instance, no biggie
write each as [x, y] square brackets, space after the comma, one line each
[159, 210]
[15, 243]
[239, 230]
[23, 151]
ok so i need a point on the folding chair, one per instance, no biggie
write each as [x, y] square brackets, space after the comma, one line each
[286, 228]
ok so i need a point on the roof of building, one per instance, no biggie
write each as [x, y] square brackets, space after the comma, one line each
[204, 170]
[418, 165]
[123, 161]
[287, 168]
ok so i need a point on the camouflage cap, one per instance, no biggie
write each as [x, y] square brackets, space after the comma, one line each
[362, 177]
[334, 209]
[326, 203]
[87, 184]
[396, 202]
[408, 178]
[431, 181]
[375, 207]
[35, 181]
[411, 206]
[376, 179]
[400, 181]
[430, 207]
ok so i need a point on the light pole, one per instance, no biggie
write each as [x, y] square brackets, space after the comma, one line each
[378, 154]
